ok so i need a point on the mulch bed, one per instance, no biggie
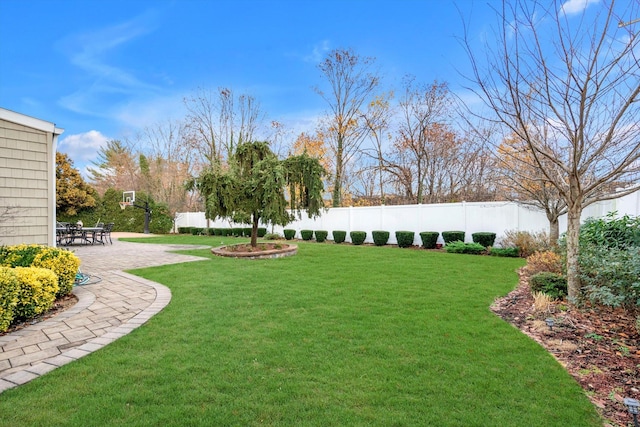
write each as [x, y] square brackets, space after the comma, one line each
[598, 347]
[59, 306]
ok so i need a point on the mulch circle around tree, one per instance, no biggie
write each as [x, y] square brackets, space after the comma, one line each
[261, 251]
[598, 347]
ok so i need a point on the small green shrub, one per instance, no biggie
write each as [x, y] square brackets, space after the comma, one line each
[505, 252]
[236, 231]
[9, 292]
[429, 239]
[184, 230]
[339, 236]
[452, 236]
[37, 291]
[405, 238]
[246, 231]
[610, 275]
[217, 231]
[552, 284]
[19, 255]
[226, 231]
[306, 234]
[211, 231]
[380, 238]
[197, 231]
[358, 237]
[321, 235]
[459, 247]
[486, 239]
[289, 233]
[272, 236]
[262, 231]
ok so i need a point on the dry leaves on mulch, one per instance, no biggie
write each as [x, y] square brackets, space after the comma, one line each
[598, 347]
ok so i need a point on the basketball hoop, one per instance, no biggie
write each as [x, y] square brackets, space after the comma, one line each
[128, 198]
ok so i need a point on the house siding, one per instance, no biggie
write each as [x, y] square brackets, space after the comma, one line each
[25, 187]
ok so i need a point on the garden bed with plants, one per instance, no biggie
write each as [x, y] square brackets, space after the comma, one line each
[598, 347]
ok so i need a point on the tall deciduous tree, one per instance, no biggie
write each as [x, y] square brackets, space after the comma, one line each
[252, 188]
[378, 122]
[72, 193]
[351, 83]
[218, 121]
[575, 78]
[115, 167]
[167, 166]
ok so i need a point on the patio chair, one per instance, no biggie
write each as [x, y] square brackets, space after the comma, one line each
[106, 233]
[62, 233]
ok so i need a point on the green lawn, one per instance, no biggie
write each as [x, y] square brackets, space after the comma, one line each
[337, 335]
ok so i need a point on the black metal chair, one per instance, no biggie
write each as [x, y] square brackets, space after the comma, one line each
[106, 233]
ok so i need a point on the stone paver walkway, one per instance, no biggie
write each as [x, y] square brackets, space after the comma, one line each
[107, 310]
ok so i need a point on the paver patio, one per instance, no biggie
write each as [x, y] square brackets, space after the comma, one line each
[107, 310]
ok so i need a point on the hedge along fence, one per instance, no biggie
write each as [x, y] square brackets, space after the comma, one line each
[429, 239]
[358, 237]
[486, 239]
[306, 234]
[453, 236]
[380, 238]
[289, 234]
[405, 238]
[339, 236]
[321, 235]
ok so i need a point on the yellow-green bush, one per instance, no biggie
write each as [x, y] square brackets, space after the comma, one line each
[8, 297]
[37, 291]
[62, 262]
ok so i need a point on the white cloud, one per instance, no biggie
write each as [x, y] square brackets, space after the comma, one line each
[571, 7]
[318, 52]
[82, 148]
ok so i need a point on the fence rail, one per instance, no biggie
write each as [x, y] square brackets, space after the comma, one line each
[496, 217]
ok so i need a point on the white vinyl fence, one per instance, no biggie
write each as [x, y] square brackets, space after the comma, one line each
[496, 217]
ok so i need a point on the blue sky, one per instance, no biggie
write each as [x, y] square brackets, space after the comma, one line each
[102, 69]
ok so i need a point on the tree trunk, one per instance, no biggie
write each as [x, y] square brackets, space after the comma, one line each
[337, 184]
[254, 230]
[554, 231]
[573, 236]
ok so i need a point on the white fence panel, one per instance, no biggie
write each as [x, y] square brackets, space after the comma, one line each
[496, 217]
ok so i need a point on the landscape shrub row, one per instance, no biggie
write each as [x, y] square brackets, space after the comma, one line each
[32, 277]
[230, 231]
[403, 238]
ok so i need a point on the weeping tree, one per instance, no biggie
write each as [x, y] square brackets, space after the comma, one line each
[251, 187]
